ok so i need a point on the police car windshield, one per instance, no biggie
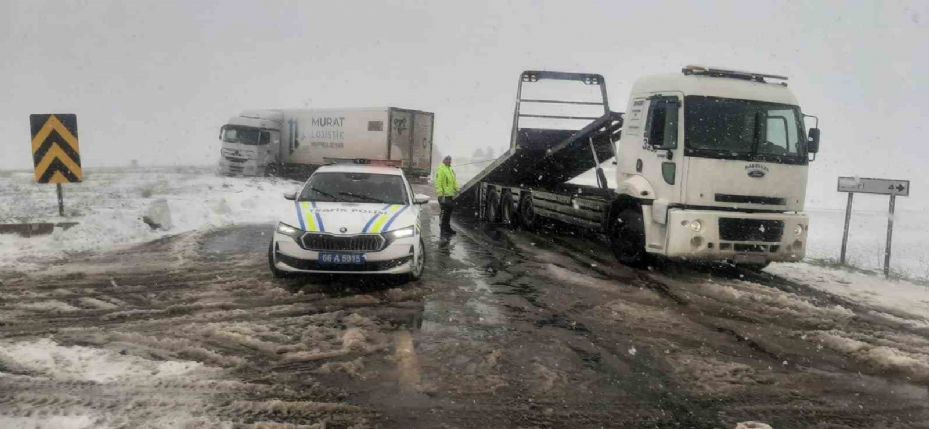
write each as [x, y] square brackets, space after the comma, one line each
[355, 188]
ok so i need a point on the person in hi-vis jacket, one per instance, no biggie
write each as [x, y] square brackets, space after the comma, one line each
[446, 189]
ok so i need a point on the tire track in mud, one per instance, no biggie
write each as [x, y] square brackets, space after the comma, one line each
[805, 410]
[224, 312]
[581, 341]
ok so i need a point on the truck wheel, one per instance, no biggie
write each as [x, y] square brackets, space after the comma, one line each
[506, 209]
[527, 216]
[492, 206]
[271, 170]
[278, 274]
[627, 238]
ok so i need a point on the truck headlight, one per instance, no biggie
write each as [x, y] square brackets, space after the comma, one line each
[401, 233]
[696, 226]
[798, 230]
[286, 229]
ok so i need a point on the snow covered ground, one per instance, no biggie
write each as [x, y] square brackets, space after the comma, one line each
[110, 203]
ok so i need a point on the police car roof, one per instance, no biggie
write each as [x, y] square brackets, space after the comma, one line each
[360, 168]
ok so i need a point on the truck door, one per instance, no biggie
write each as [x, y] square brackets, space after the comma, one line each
[421, 148]
[401, 136]
[661, 158]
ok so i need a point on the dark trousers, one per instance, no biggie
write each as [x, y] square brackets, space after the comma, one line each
[447, 204]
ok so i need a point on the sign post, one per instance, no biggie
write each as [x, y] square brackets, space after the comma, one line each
[861, 185]
[55, 151]
[848, 219]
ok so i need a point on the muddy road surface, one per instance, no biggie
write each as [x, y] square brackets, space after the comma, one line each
[505, 329]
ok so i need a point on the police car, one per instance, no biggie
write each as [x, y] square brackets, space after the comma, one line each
[360, 217]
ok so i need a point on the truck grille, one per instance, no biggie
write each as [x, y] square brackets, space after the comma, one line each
[734, 229]
[351, 243]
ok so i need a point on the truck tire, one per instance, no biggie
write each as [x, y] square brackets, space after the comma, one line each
[492, 206]
[278, 274]
[527, 216]
[271, 170]
[627, 238]
[506, 209]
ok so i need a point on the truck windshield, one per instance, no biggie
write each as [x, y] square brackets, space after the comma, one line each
[243, 135]
[743, 129]
[355, 188]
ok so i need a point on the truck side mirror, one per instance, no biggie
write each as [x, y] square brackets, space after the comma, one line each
[812, 146]
[221, 130]
[290, 196]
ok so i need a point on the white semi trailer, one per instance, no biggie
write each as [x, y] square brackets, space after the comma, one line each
[294, 142]
[711, 164]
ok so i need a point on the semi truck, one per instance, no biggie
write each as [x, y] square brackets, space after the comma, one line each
[293, 142]
[710, 165]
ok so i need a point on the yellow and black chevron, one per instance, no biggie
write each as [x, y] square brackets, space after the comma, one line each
[55, 149]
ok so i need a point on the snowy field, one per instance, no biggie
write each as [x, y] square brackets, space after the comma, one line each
[110, 203]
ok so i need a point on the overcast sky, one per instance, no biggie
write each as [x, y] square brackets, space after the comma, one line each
[153, 81]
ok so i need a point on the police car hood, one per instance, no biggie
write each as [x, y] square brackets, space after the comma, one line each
[350, 218]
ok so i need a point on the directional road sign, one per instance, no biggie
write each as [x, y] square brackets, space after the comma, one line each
[874, 186]
[55, 150]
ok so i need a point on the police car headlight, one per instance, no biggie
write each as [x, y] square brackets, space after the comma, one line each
[286, 229]
[401, 233]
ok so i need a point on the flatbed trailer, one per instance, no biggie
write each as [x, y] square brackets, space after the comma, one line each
[530, 180]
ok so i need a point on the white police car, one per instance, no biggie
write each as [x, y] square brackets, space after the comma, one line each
[350, 218]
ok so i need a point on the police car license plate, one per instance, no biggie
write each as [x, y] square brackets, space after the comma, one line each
[341, 258]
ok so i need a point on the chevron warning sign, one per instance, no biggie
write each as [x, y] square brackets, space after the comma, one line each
[54, 148]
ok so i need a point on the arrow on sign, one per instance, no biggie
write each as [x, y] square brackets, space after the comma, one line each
[900, 187]
[55, 151]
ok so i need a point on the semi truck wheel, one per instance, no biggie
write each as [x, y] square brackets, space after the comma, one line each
[492, 206]
[627, 238]
[527, 216]
[506, 209]
[271, 170]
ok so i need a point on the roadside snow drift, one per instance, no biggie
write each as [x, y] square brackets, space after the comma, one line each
[111, 203]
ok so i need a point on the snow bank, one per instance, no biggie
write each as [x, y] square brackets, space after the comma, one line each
[48, 359]
[899, 298]
[52, 422]
[110, 204]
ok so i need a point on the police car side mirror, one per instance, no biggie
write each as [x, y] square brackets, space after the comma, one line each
[290, 196]
[420, 199]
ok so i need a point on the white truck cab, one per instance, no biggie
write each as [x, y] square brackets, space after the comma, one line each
[718, 160]
[251, 143]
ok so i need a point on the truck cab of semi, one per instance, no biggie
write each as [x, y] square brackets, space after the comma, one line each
[712, 165]
[251, 143]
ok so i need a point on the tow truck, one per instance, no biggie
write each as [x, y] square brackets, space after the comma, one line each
[710, 164]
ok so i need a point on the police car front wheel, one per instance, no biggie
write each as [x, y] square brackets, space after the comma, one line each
[418, 264]
[279, 274]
